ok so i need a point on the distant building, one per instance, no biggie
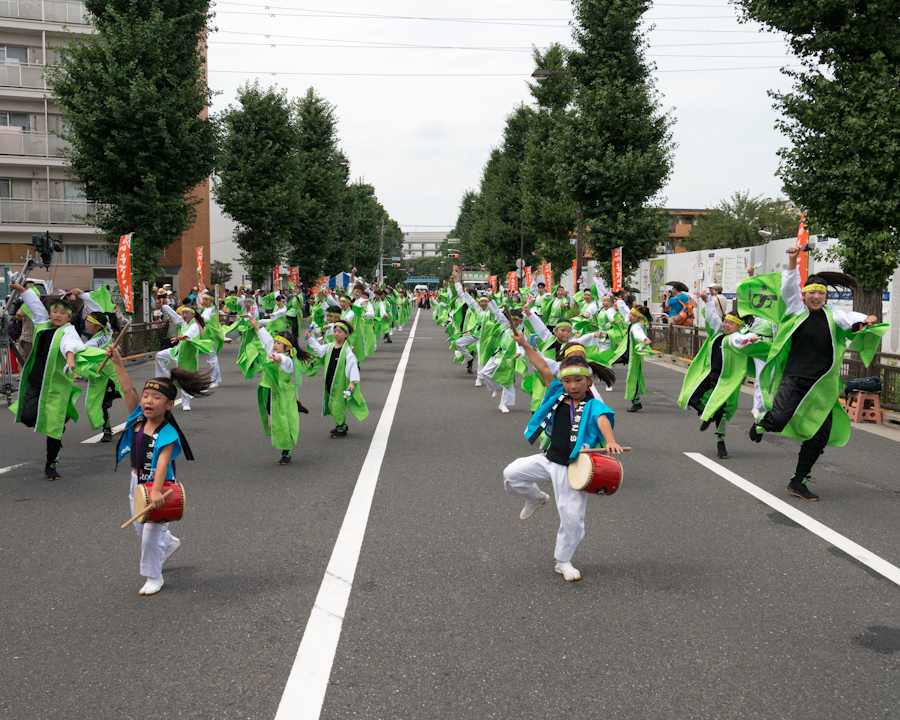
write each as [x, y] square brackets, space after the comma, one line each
[424, 244]
[36, 194]
[682, 223]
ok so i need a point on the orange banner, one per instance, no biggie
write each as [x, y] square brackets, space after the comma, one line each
[512, 282]
[802, 258]
[528, 277]
[493, 283]
[200, 263]
[548, 276]
[617, 269]
[295, 276]
[123, 272]
[276, 276]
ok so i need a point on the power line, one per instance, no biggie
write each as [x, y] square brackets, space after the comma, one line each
[424, 75]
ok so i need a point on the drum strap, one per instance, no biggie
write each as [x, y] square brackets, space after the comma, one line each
[543, 426]
[576, 423]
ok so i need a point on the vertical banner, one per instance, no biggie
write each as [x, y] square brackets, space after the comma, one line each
[528, 277]
[493, 283]
[802, 258]
[123, 272]
[276, 276]
[200, 263]
[295, 276]
[548, 276]
[512, 282]
[617, 269]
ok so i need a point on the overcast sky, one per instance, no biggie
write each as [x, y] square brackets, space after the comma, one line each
[421, 136]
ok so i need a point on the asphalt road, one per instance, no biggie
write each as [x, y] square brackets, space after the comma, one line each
[698, 600]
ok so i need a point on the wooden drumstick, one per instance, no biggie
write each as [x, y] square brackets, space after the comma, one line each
[145, 510]
[600, 450]
[115, 344]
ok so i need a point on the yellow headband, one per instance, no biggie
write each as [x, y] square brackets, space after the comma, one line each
[574, 348]
[188, 308]
[94, 320]
[734, 319]
[815, 286]
[284, 341]
[344, 325]
[575, 370]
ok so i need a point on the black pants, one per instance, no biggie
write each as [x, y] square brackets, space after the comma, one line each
[29, 402]
[295, 327]
[696, 401]
[790, 393]
[108, 397]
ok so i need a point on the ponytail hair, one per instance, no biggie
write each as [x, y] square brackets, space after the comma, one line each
[193, 383]
[837, 280]
[299, 353]
[110, 319]
[600, 371]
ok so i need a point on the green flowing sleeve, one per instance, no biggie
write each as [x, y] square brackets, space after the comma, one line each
[865, 342]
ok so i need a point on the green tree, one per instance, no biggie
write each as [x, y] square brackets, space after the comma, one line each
[843, 163]
[219, 272]
[133, 96]
[548, 209]
[361, 228]
[614, 151]
[465, 221]
[495, 235]
[315, 227]
[258, 179]
[736, 223]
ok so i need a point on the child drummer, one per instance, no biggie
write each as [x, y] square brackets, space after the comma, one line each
[154, 440]
[573, 419]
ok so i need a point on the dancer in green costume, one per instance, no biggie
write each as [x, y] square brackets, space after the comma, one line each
[46, 392]
[279, 385]
[383, 322]
[342, 391]
[801, 380]
[349, 315]
[636, 344]
[187, 351]
[713, 382]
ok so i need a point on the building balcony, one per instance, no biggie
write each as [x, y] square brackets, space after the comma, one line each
[14, 211]
[22, 75]
[13, 141]
[56, 11]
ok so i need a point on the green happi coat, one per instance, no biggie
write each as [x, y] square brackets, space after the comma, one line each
[281, 387]
[357, 339]
[213, 331]
[333, 401]
[637, 345]
[736, 365]
[87, 365]
[187, 352]
[58, 393]
[822, 397]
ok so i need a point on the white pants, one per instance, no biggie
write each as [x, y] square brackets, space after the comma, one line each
[485, 372]
[212, 360]
[163, 358]
[521, 476]
[758, 403]
[463, 343]
[154, 538]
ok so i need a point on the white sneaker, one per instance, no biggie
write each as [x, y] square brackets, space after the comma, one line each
[503, 408]
[171, 549]
[213, 385]
[478, 382]
[152, 586]
[532, 506]
[609, 388]
[495, 393]
[568, 571]
[185, 408]
[228, 341]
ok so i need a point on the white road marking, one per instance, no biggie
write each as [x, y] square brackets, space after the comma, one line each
[866, 557]
[115, 431]
[304, 693]
[11, 467]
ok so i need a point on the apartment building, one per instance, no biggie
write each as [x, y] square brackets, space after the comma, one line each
[36, 195]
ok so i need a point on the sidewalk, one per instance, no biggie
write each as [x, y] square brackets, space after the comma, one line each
[890, 427]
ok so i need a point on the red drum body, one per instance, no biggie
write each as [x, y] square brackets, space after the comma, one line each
[596, 473]
[173, 506]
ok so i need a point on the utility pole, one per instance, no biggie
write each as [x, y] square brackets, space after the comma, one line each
[381, 256]
[522, 237]
[578, 257]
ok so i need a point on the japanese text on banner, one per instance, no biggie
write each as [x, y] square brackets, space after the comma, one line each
[528, 277]
[513, 283]
[200, 263]
[548, 276]
[295, 276]
[123, 272]
[493, 283]
[617, 269]
[802, 258]
[276, 276]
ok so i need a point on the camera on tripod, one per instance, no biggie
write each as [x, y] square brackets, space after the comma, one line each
[44, 247]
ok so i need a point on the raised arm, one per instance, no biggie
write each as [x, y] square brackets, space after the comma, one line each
[129, 394]
[173, 315]
[498, 316]
[538, 324]
[534, 357]
[711, 316]
[38, 312]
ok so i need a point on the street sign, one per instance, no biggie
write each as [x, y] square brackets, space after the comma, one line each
[520, 273]
[520, 263]
[395, 259]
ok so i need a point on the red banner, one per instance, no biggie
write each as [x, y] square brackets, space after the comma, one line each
[200, 263]
[295, 276]
[802, 258]
[493, 280]
[617, 269]
[528, 277]
[123, 272]
[548, 276]
[323, 281]
[512, 282]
